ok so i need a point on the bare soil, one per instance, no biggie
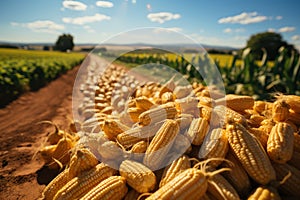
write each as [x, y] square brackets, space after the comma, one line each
[22, 172]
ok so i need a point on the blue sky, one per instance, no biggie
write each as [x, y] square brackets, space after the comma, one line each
[212, 22]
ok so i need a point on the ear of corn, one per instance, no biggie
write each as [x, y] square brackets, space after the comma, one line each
[113, 187]
[132, 195]
[236, 102]
[293, 101]
[250, 153]
[221, 189]
[144, 103]
[62, 152]
[281, 143]
[162, 112]
[280, 111]
[237, 177]
[264, 193]
[161, 144]
[182, 145]
[175, 168]
[197, 130]
[138, 176]
[55, 185]
[83, 183]
[215, 145]
[186, 104]
[291, 186]
[184, 121]
[167, 97]
[222, 115]
[82, 160]
[134, 113]
[112, 128]
[190, 184]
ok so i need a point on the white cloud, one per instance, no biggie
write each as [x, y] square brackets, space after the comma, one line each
[162, 17]
[46, 26]
[296, 37]
[89, 29]
[229, 30]
[104, 4]
[86, 19]
[74, 5]
[287, 29]
[278, 17]
[149, 7]
[243, 18]
[172, 29]
[272, 30]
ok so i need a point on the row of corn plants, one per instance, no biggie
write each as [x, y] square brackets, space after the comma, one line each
[23, 70]
[245, 75]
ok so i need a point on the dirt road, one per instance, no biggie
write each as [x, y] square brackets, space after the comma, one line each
[22, 175]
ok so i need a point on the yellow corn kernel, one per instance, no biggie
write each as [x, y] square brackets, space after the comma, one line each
[197, 130]
[280, 111]
[206, 101]
[162, 112]
[80, 185]
[175, 168]
[113, 187]
[250, 153]
[215, 145]
[222, 114]
[161, 144]
[138, 176]
[281, 143]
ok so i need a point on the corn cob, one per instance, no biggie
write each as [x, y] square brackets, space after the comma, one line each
[138, 176]
[62, 152]
[182, 91]
[144, 103]
[113, 187]
[47, 153]
[265, 193]
[206, 113]
[255, 120]
[263, 107]
[161, 144]
[215, 145]
[186, 104]
[181, 145]
[280, 111]
[222, 114]
[294, 117]
[167, 97]
[190, 184]
[297, 142]
[221, 189]
[237, 176]
[197, 130]
[280, 143]
[184, 121]
[113, 127]
[260, 134]
[136, 134]
[169, 86]
[293, 101]
[175, 168]
[291, 186]
[139, 147]
[236, 102]
[83, 183]
[134, 113]
[295, 160]
[206, 101]
[82, 160]
[162, 112]
[55, 185]
[250, 153]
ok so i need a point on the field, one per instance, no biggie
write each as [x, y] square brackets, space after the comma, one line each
[25, 70]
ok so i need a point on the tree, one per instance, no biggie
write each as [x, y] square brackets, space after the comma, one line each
[270, 41]
[64, 43]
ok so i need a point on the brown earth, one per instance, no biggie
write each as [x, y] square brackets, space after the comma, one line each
[22, 175]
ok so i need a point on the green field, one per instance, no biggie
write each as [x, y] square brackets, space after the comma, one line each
[25, 70]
